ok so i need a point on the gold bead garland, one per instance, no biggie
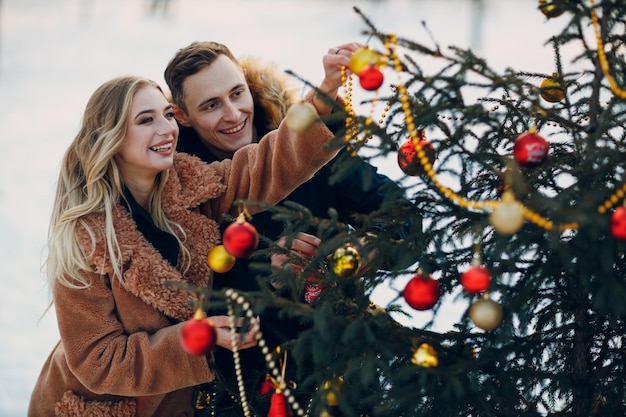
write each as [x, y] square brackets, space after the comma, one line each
[530, 215]
[351, 130]
[604, 64]
[351, 127]
[619, 92]
[610, 202]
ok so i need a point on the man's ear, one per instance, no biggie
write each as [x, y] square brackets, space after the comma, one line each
[180, 116]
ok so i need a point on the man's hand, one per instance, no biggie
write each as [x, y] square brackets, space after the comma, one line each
[333, 61]
[304, 245]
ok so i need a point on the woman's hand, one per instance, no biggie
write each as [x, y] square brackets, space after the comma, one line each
[225, 337]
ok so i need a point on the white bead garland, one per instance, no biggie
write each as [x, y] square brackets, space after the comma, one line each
[269, 358]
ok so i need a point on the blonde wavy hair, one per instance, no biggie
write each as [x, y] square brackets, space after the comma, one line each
[90, 182]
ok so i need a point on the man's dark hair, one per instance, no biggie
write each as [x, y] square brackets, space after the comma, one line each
[188, 61]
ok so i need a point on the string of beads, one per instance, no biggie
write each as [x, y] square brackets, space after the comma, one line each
[619, 92]
[530, 215]
[235, 297]
[351, 126]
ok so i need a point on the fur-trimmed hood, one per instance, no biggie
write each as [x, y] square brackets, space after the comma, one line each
[272, 92]
[146, 270]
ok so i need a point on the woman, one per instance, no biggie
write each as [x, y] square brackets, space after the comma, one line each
[131, 214]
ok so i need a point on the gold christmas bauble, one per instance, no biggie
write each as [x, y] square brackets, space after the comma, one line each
[346, 261]
[301, 116]
[220, 260]
[333, 388]
[549, 9]
[363, 58]
[508, 216]
[486, 313]
[425, 356]
[551, 90]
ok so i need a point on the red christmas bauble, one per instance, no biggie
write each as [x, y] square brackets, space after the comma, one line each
[371, 78]
[476, 279]
[198, 335]
[530, 149]
[267, 385]
[279, 406]
[618, 223]
[407, 156]
[240, 238]
[312, 289]
[422, 292]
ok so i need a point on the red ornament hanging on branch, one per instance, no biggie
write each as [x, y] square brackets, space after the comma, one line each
[312, 289]
[371, 78]
[477, 278]
[408, 160]
[618, 223]
[198, 334]
[422, 292]
[530, 148]
[240, 238]
[278, 405]
[366, 64]
[266, 386]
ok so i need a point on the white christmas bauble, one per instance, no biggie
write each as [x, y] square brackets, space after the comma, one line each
[486, 313]
[508, 216]
[301, 116]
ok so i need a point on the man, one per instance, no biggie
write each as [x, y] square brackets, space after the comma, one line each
[223, 104]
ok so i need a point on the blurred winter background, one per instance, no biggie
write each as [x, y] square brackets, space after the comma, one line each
[54, 53]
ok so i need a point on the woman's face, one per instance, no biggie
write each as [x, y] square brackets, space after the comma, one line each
[151, 136]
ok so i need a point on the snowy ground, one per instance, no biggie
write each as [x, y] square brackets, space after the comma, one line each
[54, 53]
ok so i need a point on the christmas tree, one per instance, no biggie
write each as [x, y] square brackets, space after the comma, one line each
[519, 179]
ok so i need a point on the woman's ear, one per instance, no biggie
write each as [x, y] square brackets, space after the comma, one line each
[180, 116]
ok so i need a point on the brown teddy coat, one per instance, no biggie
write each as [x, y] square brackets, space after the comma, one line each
[120, 352]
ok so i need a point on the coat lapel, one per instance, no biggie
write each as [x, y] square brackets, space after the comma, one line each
[146, 273]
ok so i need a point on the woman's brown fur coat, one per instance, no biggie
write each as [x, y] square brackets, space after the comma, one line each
[120, 352]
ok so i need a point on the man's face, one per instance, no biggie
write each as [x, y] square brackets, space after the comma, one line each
[220, 107]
